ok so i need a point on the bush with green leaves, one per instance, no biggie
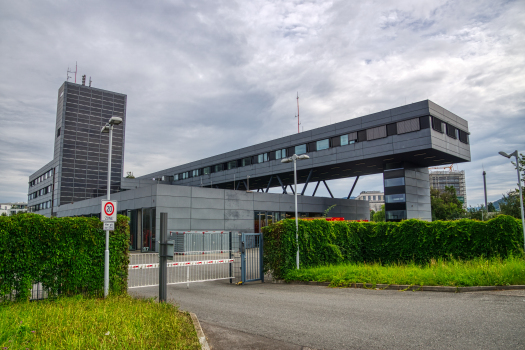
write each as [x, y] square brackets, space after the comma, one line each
[322, 242]
[66, 255]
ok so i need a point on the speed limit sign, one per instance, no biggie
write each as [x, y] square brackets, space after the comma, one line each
[109, 211]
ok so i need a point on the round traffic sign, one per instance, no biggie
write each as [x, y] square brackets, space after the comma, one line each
[109, 209]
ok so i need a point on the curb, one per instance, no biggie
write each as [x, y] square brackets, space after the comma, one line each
[406, 287]
[200, 333]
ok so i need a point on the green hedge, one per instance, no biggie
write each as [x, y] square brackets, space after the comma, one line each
[65, 254]
[322, 242]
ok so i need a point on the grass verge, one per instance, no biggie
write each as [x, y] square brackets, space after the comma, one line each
[457, 273]
[119, 322]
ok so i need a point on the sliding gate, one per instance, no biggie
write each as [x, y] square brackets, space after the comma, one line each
[252, 257]
[198, 257]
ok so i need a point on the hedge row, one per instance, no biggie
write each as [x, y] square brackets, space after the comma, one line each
[65, 254]
[322, 242]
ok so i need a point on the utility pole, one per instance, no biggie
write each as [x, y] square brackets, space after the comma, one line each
[485, 187]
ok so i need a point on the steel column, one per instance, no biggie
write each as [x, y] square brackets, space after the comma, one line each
[352, 190]
[284, 188]
[316, 186]
[269, 183]
[331, 195]
[307, 181]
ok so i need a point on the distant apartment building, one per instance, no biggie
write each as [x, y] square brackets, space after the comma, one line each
[441, 179]
[375, 198]
[12, 208]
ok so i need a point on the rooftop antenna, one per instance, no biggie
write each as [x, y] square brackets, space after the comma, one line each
[297, 116]
[89, 81]
[70, 71]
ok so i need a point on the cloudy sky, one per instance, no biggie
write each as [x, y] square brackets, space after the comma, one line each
[206, 77]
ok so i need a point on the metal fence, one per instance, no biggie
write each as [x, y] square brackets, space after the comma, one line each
[38, 292]
[199, 257]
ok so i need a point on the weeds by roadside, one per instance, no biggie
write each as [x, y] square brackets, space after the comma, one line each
[458, 273]
[119, 322]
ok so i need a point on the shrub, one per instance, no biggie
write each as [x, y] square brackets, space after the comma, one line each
[65, 254]
[322, 242]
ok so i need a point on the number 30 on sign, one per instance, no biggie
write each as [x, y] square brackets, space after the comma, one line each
[108, 212]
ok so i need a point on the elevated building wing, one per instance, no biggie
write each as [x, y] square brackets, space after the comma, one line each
[400, 143]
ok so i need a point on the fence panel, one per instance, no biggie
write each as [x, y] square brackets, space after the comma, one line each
[199, 257]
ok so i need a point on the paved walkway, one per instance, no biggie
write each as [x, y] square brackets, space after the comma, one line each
[280, 316]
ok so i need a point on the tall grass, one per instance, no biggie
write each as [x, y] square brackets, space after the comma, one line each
[119, 322]
[458, 273]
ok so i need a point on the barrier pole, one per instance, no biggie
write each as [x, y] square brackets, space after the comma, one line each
[163, 259]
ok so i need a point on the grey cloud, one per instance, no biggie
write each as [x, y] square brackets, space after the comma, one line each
[207, 77]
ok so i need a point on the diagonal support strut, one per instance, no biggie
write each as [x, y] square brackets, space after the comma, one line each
[352, 190]
[307, 181]
[331, 195]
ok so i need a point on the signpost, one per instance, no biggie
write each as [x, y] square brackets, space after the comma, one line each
[108, 215]
[109, 211]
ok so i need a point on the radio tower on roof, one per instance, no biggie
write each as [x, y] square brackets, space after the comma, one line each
[297, 116]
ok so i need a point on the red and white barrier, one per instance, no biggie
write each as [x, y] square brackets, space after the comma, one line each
[180, 264]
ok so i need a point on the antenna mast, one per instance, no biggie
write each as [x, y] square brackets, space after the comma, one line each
[297, 116]
[70, 71]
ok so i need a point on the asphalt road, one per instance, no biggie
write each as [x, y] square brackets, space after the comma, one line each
[280, 316]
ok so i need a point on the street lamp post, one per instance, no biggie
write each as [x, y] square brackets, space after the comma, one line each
[108, 128]
[294, 160]
[515, 154]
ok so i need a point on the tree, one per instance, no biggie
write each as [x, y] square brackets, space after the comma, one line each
[491, 208]
[379, 216]
[510, 204]
[477, 213]
[129, 175]
[445, 204]
[4, 214]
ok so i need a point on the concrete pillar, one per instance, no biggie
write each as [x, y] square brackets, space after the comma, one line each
[407, 192]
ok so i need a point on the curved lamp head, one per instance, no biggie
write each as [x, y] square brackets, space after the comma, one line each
[115, 120]
[515, 154]
[105, 129]
[295, 156]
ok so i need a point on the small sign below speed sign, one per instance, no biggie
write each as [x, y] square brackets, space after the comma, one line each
[109, 211]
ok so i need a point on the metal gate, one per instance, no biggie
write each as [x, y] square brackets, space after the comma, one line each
[199, 257]
[252, 257]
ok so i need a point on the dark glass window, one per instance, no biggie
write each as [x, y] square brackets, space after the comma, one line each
[323, 144]
[393, 215]
[451, 131]
[437, 124]
[301, 149]
[395, 198]
[58, 132]
[281, 153]
[463, 136]
[206, 170]
[232, 165]
[400, 181]
[361, 136]
[391, 129]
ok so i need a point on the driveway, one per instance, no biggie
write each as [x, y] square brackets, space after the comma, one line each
[281, 316]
